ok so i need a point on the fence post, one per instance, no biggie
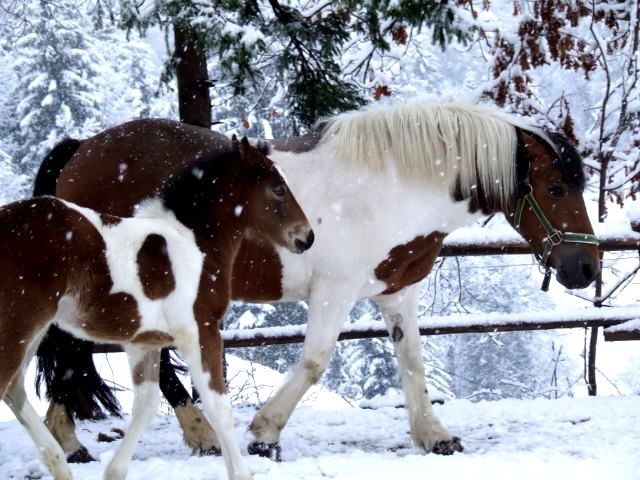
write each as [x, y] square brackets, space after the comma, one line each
[592, 387]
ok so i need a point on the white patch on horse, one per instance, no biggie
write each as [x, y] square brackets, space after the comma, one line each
[123, 241]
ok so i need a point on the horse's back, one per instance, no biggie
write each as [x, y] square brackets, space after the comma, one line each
[117, 168]
[43, 245]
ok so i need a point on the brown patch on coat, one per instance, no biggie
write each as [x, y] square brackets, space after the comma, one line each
[147, 369]
[257, 272]
[154, 268]
[153, 337]
[409, 263]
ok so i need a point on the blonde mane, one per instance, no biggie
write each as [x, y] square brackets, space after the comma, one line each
[456, 144]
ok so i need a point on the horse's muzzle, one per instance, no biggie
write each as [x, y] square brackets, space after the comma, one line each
[303, 245]
[577, 268]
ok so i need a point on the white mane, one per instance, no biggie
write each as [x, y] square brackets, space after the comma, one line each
[434, 143]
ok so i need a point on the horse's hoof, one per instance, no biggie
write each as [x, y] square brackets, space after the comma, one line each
[209, 452]
[448, 447]
[81, 455]
[271, 451]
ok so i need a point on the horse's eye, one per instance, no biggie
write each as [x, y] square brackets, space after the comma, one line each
[557, 191]
[280, 190]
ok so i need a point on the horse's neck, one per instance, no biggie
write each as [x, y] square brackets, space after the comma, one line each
[479, 201]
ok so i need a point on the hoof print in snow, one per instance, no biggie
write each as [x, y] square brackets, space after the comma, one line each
[271, 451]
[448, 447]
[104, 438]
[208, 452]
[81, 455]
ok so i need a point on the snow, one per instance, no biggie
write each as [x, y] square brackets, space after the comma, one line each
[575, 317]
[587, 438]
[630, 326]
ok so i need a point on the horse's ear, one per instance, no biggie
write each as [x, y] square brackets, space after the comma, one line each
[235, 143]
[244, 147]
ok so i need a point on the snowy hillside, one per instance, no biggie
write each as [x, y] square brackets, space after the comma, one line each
[585, 438]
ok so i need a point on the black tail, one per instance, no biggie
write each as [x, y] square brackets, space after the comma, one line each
[65, 364]
[52, 165]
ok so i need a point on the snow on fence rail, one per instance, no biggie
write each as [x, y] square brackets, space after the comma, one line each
[468, 242]
[480, 241]
[467, 323]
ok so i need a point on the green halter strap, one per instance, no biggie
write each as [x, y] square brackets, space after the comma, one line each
[554, 237]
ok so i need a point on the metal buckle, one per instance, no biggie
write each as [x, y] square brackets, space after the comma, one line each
[555, 238]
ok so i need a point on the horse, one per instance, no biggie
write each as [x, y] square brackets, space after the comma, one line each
[382, 187]
[142, 282]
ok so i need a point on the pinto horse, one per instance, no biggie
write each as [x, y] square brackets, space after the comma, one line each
[141, 282]
[382, 188]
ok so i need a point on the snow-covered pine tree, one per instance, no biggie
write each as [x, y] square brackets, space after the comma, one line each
[251, 315]
[131, 84]
[367, 368]
[55, 62]
[497, 365]
[297, 48]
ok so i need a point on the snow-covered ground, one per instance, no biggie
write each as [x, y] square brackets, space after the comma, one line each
[584, 438]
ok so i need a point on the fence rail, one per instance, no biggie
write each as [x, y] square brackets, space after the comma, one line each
[500, 245]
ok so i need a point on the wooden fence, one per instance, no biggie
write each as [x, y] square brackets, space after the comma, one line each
[590, 317]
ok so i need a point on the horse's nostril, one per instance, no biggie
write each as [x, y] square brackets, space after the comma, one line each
[310, 239]
[300, 245]
[588, 271]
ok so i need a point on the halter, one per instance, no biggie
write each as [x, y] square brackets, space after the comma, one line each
[554, 237]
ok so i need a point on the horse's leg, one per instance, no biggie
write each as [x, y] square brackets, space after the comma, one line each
[205, 365]
[74, 388]
[144, 365]
[61, 425]
[329, 306]
[198, 433]
[51, 452]
[400, 312]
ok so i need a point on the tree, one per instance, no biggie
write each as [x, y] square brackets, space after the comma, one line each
[600, 41]
[55, 63]
[498, 365]
[300, 49]
[278, 357]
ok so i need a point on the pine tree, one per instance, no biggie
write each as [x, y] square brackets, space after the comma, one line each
[131, 81]
[496, 365]
[247, 316]
[295, 47]
[55, 64]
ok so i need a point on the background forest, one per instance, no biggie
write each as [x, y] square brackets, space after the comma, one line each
[272, 68]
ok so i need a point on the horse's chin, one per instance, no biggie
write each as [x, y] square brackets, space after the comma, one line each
[576, 279]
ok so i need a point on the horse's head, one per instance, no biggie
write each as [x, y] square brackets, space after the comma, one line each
[270, 209]
[550, 212]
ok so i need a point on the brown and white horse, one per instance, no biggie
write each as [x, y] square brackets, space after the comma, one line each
[141, 282]
[382, 188]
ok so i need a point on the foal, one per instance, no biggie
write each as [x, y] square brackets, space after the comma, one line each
[141, 282]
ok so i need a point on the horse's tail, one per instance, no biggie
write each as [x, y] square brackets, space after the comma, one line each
[52, 165]
[65, 363]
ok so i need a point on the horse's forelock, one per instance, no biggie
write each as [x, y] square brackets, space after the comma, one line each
[569, 161]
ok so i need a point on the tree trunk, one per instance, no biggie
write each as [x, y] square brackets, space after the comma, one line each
[190, 59]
